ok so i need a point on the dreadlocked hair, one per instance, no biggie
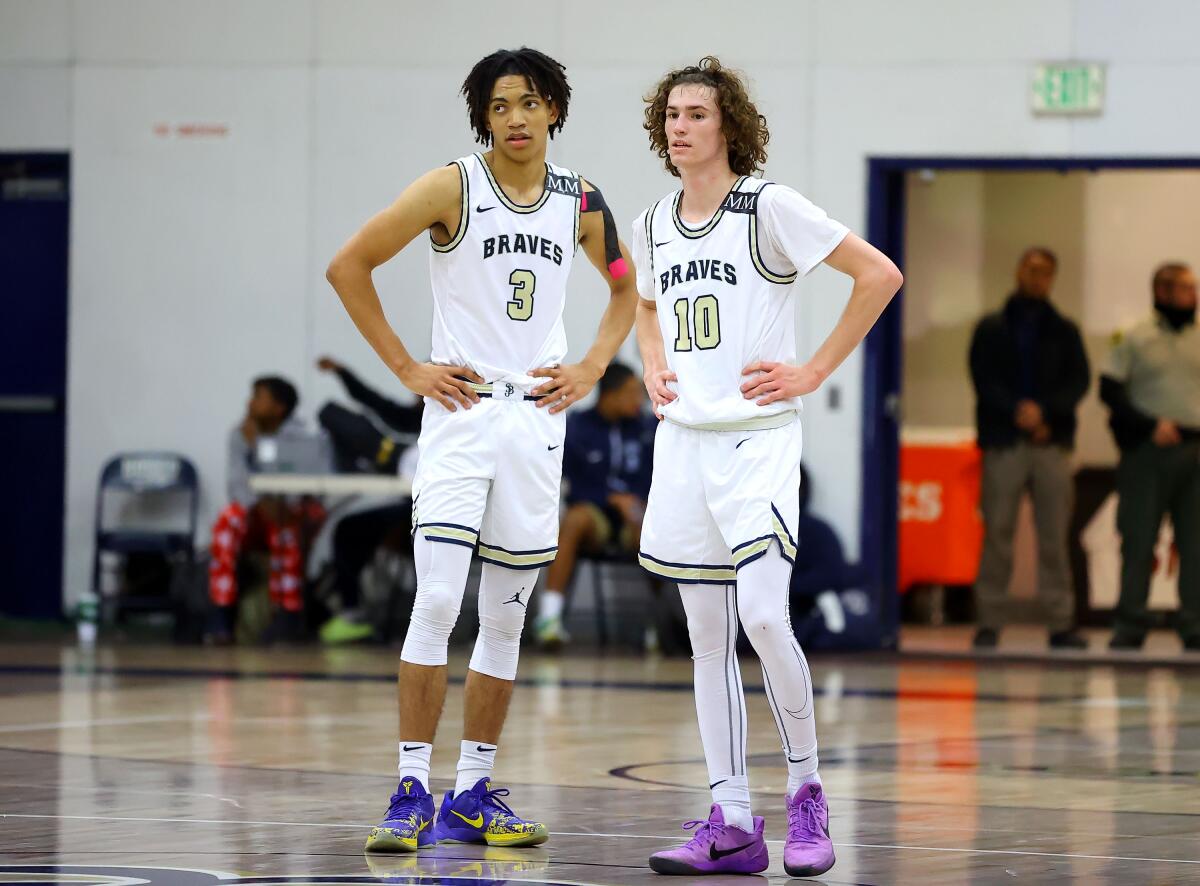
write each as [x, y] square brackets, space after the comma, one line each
[547, 77]
[744, 128]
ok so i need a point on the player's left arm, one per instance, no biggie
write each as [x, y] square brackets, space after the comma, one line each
[598, 237]
[876, 280]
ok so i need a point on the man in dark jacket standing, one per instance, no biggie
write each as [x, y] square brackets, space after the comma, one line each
[1030, 371]
[1152, 386]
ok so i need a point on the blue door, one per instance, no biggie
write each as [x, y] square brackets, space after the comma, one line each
[34, 201]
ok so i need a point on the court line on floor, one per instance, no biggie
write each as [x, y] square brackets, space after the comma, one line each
[317, 824]
[535, 682]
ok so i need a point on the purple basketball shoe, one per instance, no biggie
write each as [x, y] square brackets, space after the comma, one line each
[715, 848]
[808, 851]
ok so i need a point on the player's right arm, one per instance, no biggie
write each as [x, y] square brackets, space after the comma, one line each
[655, 371]
[431, 202]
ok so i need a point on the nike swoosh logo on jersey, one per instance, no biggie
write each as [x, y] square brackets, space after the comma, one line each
[484, 208]
[476, 822]
[552, 448]
[663, 243]
[740, 444]
[717, 854]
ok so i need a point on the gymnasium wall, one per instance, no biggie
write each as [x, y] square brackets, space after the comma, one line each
[221, 152]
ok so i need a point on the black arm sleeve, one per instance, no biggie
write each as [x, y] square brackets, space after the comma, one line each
[399, 417]
[1130, 426]
[593, 201]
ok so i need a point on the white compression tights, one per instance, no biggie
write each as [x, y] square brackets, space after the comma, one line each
[760, 601]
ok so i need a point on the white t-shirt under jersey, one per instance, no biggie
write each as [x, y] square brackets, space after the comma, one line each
[724, 291]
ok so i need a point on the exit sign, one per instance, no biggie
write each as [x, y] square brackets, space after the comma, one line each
[1069, 88]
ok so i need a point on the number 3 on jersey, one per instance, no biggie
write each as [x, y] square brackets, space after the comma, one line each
[705, 319]
[520, 306]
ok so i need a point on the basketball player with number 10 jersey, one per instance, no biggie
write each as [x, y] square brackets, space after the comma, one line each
[716, 266]
[503, 227]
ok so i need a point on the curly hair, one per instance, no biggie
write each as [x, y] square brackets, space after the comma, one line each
[545, 75]
[744, 128]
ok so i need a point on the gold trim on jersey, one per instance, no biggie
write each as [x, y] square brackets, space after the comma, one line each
[761, 423]
[688, 573]
[579, 211]
[505, 199]
[464, 217]
[650, 241]
[787, 546]
[761, 266]
[448, 532]
[751, 550]
[697, 233]
[516, 559]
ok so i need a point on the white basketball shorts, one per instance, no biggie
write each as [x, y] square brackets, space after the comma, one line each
[490, 477]
[719, 500]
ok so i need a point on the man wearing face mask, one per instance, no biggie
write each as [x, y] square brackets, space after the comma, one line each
[1152, 387]
[1030, 371]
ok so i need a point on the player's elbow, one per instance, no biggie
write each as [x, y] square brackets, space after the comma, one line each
[891, 276]
[885, 278]
[341, 268]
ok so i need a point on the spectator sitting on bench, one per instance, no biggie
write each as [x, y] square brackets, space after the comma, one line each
[362, 444]
[268, 435]
[607, 456]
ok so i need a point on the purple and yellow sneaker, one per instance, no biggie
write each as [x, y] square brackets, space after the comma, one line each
[408, 824]
[715, 848]
[480, 816]
[809, 850]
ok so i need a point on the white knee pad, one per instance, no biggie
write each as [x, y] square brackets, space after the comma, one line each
[441, 578]
[503, 596]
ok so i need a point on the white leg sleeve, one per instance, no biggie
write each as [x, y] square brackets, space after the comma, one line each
[762, 602]
[503, 596]
[720, 702]
[442, 570]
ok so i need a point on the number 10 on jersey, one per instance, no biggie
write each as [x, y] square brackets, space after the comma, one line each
[702, 316]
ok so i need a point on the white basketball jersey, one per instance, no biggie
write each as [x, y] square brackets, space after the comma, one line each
[500, 284]
[724, 292]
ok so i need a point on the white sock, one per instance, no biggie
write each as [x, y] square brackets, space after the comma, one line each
[414, 761]
[800, 773]
[732, 794]
[551, 604]
[475, 761]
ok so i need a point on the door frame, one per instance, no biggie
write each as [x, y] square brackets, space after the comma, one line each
[883, 349]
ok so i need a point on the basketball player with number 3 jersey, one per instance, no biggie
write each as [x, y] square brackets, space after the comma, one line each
[716, 266]
[503, 226]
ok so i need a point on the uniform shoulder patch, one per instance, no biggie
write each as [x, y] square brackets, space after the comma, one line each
[743, 202]
[564, 184]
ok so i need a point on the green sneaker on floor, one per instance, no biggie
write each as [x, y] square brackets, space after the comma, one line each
[339, 630]
[549, 633]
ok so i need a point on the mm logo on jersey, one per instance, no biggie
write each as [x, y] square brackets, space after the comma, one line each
[747, 204]
[563, 184]
[699, 269]
[527, 244]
